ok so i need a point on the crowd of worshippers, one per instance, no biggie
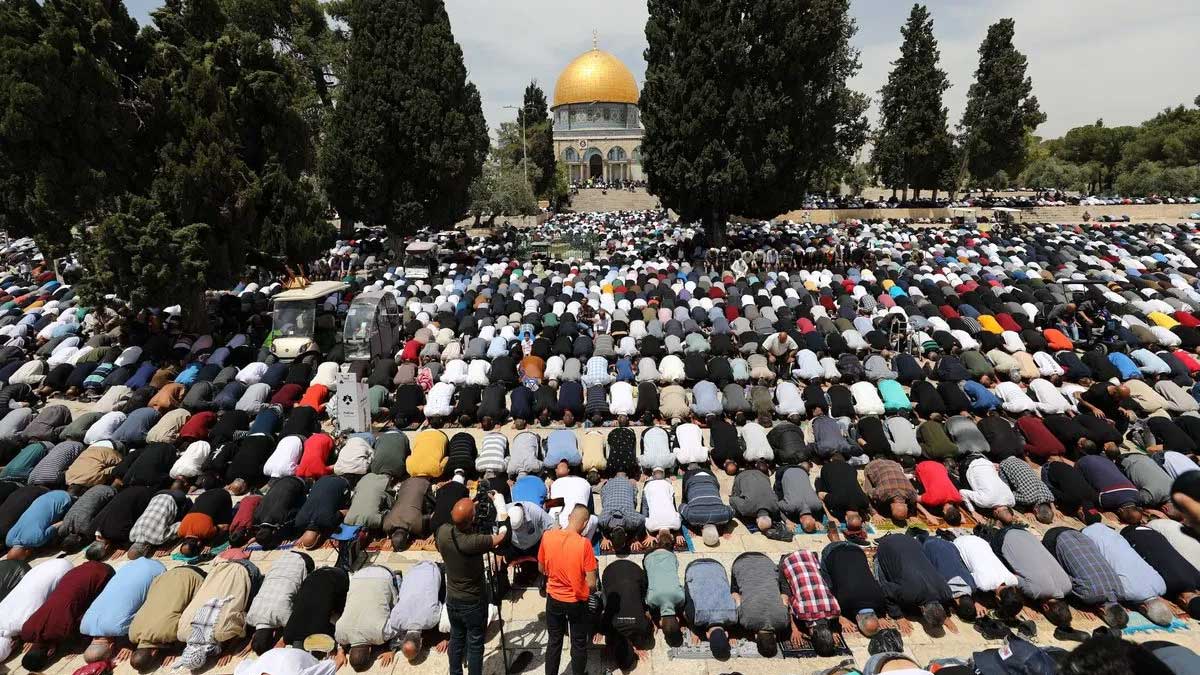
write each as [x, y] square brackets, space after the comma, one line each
[967, 377]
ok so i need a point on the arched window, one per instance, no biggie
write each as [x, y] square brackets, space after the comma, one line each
[637, 154]
[616, 154]
[569, 155]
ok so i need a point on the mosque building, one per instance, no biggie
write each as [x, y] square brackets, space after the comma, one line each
[597, 128]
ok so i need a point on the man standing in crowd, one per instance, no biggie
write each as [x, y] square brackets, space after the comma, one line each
[569, 565]
[462, 550]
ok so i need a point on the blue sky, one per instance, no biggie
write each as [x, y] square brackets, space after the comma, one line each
[1117, 59]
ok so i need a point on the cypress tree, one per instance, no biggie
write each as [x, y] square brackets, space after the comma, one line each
[745, 105]
[539, 138]
[67, 74]
[407, 136]
[913, 143]
[1001, 108]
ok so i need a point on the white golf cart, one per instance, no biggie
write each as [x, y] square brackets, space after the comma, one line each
[372, 329]
[294, 317]
[421, 259]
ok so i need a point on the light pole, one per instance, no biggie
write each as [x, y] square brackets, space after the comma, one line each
[524, 155]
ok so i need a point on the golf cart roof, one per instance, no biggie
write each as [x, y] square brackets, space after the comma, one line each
[421, 247]
[314, 291]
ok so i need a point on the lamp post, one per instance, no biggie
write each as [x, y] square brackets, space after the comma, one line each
[524, 155]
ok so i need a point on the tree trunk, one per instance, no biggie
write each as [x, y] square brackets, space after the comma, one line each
[935, 191]
[195, 313]
[904, 193]
[916, 193]
[893, 192]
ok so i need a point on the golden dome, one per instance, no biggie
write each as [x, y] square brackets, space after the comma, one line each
[595, 77]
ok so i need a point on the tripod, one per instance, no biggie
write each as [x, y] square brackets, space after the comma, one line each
[496, 578]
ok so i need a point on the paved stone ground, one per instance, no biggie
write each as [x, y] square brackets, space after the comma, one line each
[525, 629]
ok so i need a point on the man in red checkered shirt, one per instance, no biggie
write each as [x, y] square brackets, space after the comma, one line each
[813, 605]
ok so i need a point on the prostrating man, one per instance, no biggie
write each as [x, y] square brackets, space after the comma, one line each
[1180, 576]
[158, 524]
[664, 594]
[36, 527]
[362, 626]
[107, 620]
[887, 486]
[813, 605]
[286, 661]
[210, 515]
[1040, 578]
[28, 596]
[1093, 581]
[566, 559]
[114, 522]
[798, 500]
[910, 582]
[708, 604]
[702, 504]
[418, 608]
[837, 486]
[855, 588]
[462, 550]
[619, 520]
[155, 624]
[757, 592]
[318, 603]
[948, 559]
[322, 512]
[753, 500]
[938, 492]
[217, 611]
[59, 616]
[1141, 585]
[272, 605]
[410, 511]
[1073, 494]
[626, 621]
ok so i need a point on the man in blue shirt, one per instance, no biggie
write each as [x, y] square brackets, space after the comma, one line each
[109, 616]
[36, 526]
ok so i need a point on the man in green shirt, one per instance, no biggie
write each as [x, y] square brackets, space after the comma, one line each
[462, 550]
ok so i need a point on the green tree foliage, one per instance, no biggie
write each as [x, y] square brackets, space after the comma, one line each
[500, 190]
[745, 105]
[1052, 173]
[1153, 178]
[1096, 149]
[539, 138]
[226, 117]
[68, 70]
[912, 144]
[407, 136]
[1001, 108]
[1171, 138]
[858, 177]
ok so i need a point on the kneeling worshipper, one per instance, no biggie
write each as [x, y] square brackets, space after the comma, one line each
[910, 582]
[363, 625]
[837, 486]
[948, 560]
[286, 661]
[1141, 585]
[36, 528]
[1040, 577]
[1029, 491]
[856, 590]
[620, 522]
[798, 500]
[1180, 576]
[158, 524]
[115, 520]
[217, 613]
[573, 490]
[272, 605]
[322, 513]
[813, 606]
[26, 598]
[938, 492]
[753, 500]
[664, 593]
[885, 483]
[626, 621]
[1094, 583]
[662, 518]
[318, 603]
[57, 620]
[702, 504]
[755, 585]
[370, 503]
[108, 619]
[209, 516]
[418, 608]
[708, 604]
[409, 516]
[154, 626]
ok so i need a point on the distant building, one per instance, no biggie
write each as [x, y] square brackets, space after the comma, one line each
[597, 126]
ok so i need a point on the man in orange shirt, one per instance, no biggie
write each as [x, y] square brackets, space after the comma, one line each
[568, 562]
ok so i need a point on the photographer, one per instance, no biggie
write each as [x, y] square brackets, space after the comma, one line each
[462, 549]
